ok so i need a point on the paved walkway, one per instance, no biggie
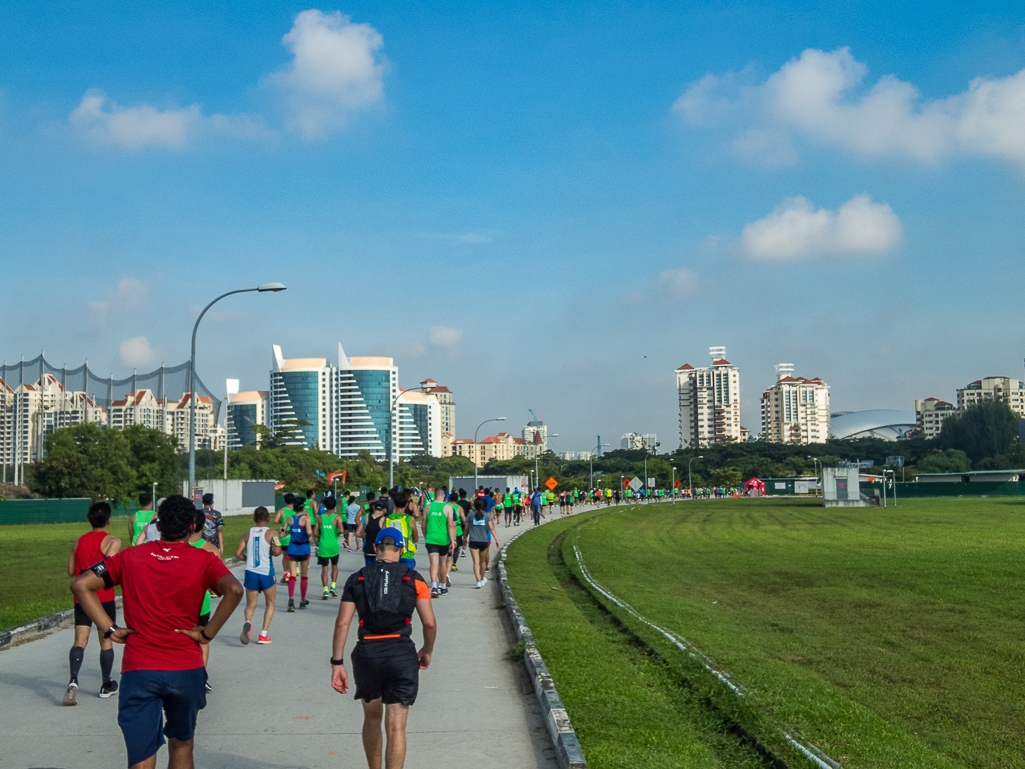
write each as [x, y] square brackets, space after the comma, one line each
[273, 707]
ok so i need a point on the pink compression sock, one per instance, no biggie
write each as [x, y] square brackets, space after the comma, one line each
[291, 586]
[305, 582]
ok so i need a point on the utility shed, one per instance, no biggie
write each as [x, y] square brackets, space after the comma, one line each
[841, 487]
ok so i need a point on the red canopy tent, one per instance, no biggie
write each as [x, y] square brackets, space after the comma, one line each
[755, 487]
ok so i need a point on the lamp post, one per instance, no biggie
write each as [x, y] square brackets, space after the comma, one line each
[599, 447]
[273, 287]
[815, 465]
[392, 432]
[672, 489]
[537, 472]
[690, 478]
[476, 452]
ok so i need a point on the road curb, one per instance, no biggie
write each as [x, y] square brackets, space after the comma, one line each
[567, 747]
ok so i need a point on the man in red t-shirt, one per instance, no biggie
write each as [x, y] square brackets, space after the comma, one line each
[88, 549]
[162, 588]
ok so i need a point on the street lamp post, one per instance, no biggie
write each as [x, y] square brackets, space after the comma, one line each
[273, 287]
[690, 478]
[599, 447]
[672, 489]
[392, 433]
[536, 455]
[476, 454]
[816, 464]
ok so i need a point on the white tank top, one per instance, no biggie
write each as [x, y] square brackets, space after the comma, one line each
[258, 558]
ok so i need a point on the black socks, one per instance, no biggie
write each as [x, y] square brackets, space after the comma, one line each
[75, 657]
[106, 663]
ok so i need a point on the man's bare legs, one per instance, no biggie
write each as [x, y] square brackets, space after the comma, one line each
[179, 756]
[395, 728]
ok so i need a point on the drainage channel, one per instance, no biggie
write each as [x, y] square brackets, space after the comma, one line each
[813, 754]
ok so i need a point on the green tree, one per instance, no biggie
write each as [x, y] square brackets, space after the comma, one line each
[86, 461]
[949, 461]
[986, 429]
[155, 458]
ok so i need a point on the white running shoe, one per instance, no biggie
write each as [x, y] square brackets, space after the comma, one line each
[479, 585]
[483, 582]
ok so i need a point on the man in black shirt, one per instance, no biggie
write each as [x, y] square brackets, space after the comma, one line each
[385, 663]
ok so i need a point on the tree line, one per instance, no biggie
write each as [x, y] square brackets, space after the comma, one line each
[88, 461]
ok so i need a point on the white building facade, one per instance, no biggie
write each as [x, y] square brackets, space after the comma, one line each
[638, 441]
[709, 402]
[795, 410]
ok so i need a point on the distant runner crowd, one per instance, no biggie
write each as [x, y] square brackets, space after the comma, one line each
[176, 565]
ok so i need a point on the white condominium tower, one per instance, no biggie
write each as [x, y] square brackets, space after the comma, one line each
[348, 407]
[795, 409]
[709, 401]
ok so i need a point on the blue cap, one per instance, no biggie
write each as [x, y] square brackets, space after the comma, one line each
[391, 531]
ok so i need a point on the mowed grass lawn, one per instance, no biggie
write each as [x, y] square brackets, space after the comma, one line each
[886, 637]
[34, 578]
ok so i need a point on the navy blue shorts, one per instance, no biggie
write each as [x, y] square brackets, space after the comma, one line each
[146, 695]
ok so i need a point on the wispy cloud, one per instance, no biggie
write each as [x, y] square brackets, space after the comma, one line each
[445, 336]
[473, 236]
[817, 96]
[797, 230]
[136, 352]
[129, 295]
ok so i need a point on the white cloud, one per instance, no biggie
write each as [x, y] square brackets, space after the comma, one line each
[679, 283]
[795, 230]
[817, 95]
[336, 68]
[445, 336]
[129, 294]
[477, 236]
[136, 352]
[103, 121]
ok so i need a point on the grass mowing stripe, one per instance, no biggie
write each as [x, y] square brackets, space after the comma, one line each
[627, 708]
[813, 754]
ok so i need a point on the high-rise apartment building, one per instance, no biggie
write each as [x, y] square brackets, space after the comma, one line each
[709, 401]
[535, 437]
[1010, 392]
[795, 409]
[245, 410]
[447, 402]
[499, 447]
[348, 408]
[638, 441]
[930, 414]
[169, 416]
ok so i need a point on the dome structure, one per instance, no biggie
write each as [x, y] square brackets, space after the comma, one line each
[888, 424]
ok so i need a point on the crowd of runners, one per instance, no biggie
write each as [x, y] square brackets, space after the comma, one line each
[175, 565]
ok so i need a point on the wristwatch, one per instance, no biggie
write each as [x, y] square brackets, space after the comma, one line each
[336, 663]
[110, 630]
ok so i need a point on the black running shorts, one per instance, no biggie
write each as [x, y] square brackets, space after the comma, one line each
[324, 560]
[81, 618]
[393, 678]
[441, 550]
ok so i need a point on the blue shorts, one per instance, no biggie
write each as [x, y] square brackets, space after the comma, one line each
[370, 559]
[261, 582]
[410, 562]
[145, 694]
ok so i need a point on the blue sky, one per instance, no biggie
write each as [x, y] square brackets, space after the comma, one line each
[542, 206]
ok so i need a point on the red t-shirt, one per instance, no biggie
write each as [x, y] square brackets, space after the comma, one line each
[88, 552]
[162, 589]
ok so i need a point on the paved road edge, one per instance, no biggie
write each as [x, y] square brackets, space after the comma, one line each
[567, 747]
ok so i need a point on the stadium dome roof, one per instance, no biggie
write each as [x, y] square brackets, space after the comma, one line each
[888, 424]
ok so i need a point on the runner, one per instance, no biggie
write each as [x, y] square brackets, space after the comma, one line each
[138, 521]
[300, 532]
[369, 527]
[439, 529]
[279, 524]
[259, 545]
[162, 584]
[507, 507]
[385, 663]
[352, 511]
[198, 539]
[328, 534]
[460, 511]
[517, 506]
[398, 518]
[213, 524]
[89, 549]
[480, 534]
[535, 506]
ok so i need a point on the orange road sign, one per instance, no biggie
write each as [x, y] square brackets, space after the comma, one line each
[551, 483]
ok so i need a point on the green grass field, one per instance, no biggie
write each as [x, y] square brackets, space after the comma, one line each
[34, 561]
[886, 638]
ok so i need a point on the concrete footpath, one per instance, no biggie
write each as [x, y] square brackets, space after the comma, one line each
[273, 707]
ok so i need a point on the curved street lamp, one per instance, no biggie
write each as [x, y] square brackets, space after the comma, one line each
[476, 451]
[392, 434]
[263, 287]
